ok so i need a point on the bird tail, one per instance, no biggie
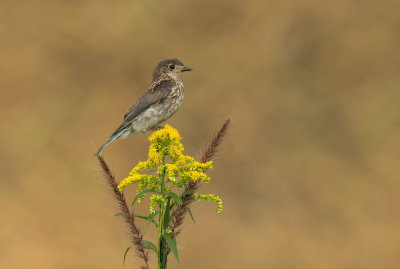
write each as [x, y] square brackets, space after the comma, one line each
[117, 134]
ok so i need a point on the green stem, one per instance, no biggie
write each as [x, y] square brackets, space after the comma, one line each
[165, 226]
[160, 238]
[161, 260]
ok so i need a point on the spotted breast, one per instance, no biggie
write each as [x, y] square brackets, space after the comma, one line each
[160, 112]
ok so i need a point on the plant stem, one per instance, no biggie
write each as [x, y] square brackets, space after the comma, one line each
[160, 253]
[160, 239]
[164, 252]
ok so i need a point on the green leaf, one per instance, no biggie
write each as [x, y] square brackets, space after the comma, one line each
[143, 192]
[167, 216]
[141, 217]
[172, 245]
[147, 218]
[176, 198]
[149, 245]
[186, 192]
[150, 219]
[191, 215]
[151, 216]
[126, 252]
[145, 229]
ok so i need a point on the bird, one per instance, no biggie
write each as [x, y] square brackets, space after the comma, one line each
[162, 99]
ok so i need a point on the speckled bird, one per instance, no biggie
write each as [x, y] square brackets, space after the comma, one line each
[161, 100]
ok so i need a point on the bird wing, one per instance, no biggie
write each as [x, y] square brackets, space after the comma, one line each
[157, 92]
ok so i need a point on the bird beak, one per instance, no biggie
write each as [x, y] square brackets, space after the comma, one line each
[186, 69]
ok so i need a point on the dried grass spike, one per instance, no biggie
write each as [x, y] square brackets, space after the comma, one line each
[135, 234]
[206, 155]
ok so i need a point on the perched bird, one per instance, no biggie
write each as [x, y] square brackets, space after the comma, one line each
[161, 100]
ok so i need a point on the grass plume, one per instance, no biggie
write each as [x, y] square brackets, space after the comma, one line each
[134, 232]
[207, 154]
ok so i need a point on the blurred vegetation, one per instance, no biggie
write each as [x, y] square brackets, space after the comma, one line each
[311, 163]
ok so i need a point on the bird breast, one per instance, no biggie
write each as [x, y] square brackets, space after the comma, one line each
[174, 101]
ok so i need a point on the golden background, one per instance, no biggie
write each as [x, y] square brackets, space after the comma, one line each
[309, 172]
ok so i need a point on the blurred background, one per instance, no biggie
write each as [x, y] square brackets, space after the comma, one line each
[309, 172]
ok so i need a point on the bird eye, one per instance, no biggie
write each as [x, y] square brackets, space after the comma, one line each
[171, 67]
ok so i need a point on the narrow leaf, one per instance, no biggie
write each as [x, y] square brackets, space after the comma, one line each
[191, 215]
[146, 218]
[150, 219]
[143, 192]
[176, 198]
[172, 245]
[167, 217]
[149, 245]
[145, 229]
[151, 216]
[141, 217]
[126, 252]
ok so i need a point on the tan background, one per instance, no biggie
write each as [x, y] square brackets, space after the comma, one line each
[309, 173]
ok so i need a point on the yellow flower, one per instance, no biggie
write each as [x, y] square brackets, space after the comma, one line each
[209, 197]
[129, 180]
[172, 172]
[166, 163]
[140, 167]
[145, 181]
[166, 141]
[155, 199]
[194, 176]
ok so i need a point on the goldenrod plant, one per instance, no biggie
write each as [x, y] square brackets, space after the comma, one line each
[171, 179]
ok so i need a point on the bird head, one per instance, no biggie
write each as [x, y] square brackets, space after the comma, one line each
[170, 67]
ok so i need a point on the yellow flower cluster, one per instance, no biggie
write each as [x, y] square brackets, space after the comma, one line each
[186, 169]
[178, 168]
[167, 164]
[155, 199]
[209, 197]
[145, 181]
[163, 142]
